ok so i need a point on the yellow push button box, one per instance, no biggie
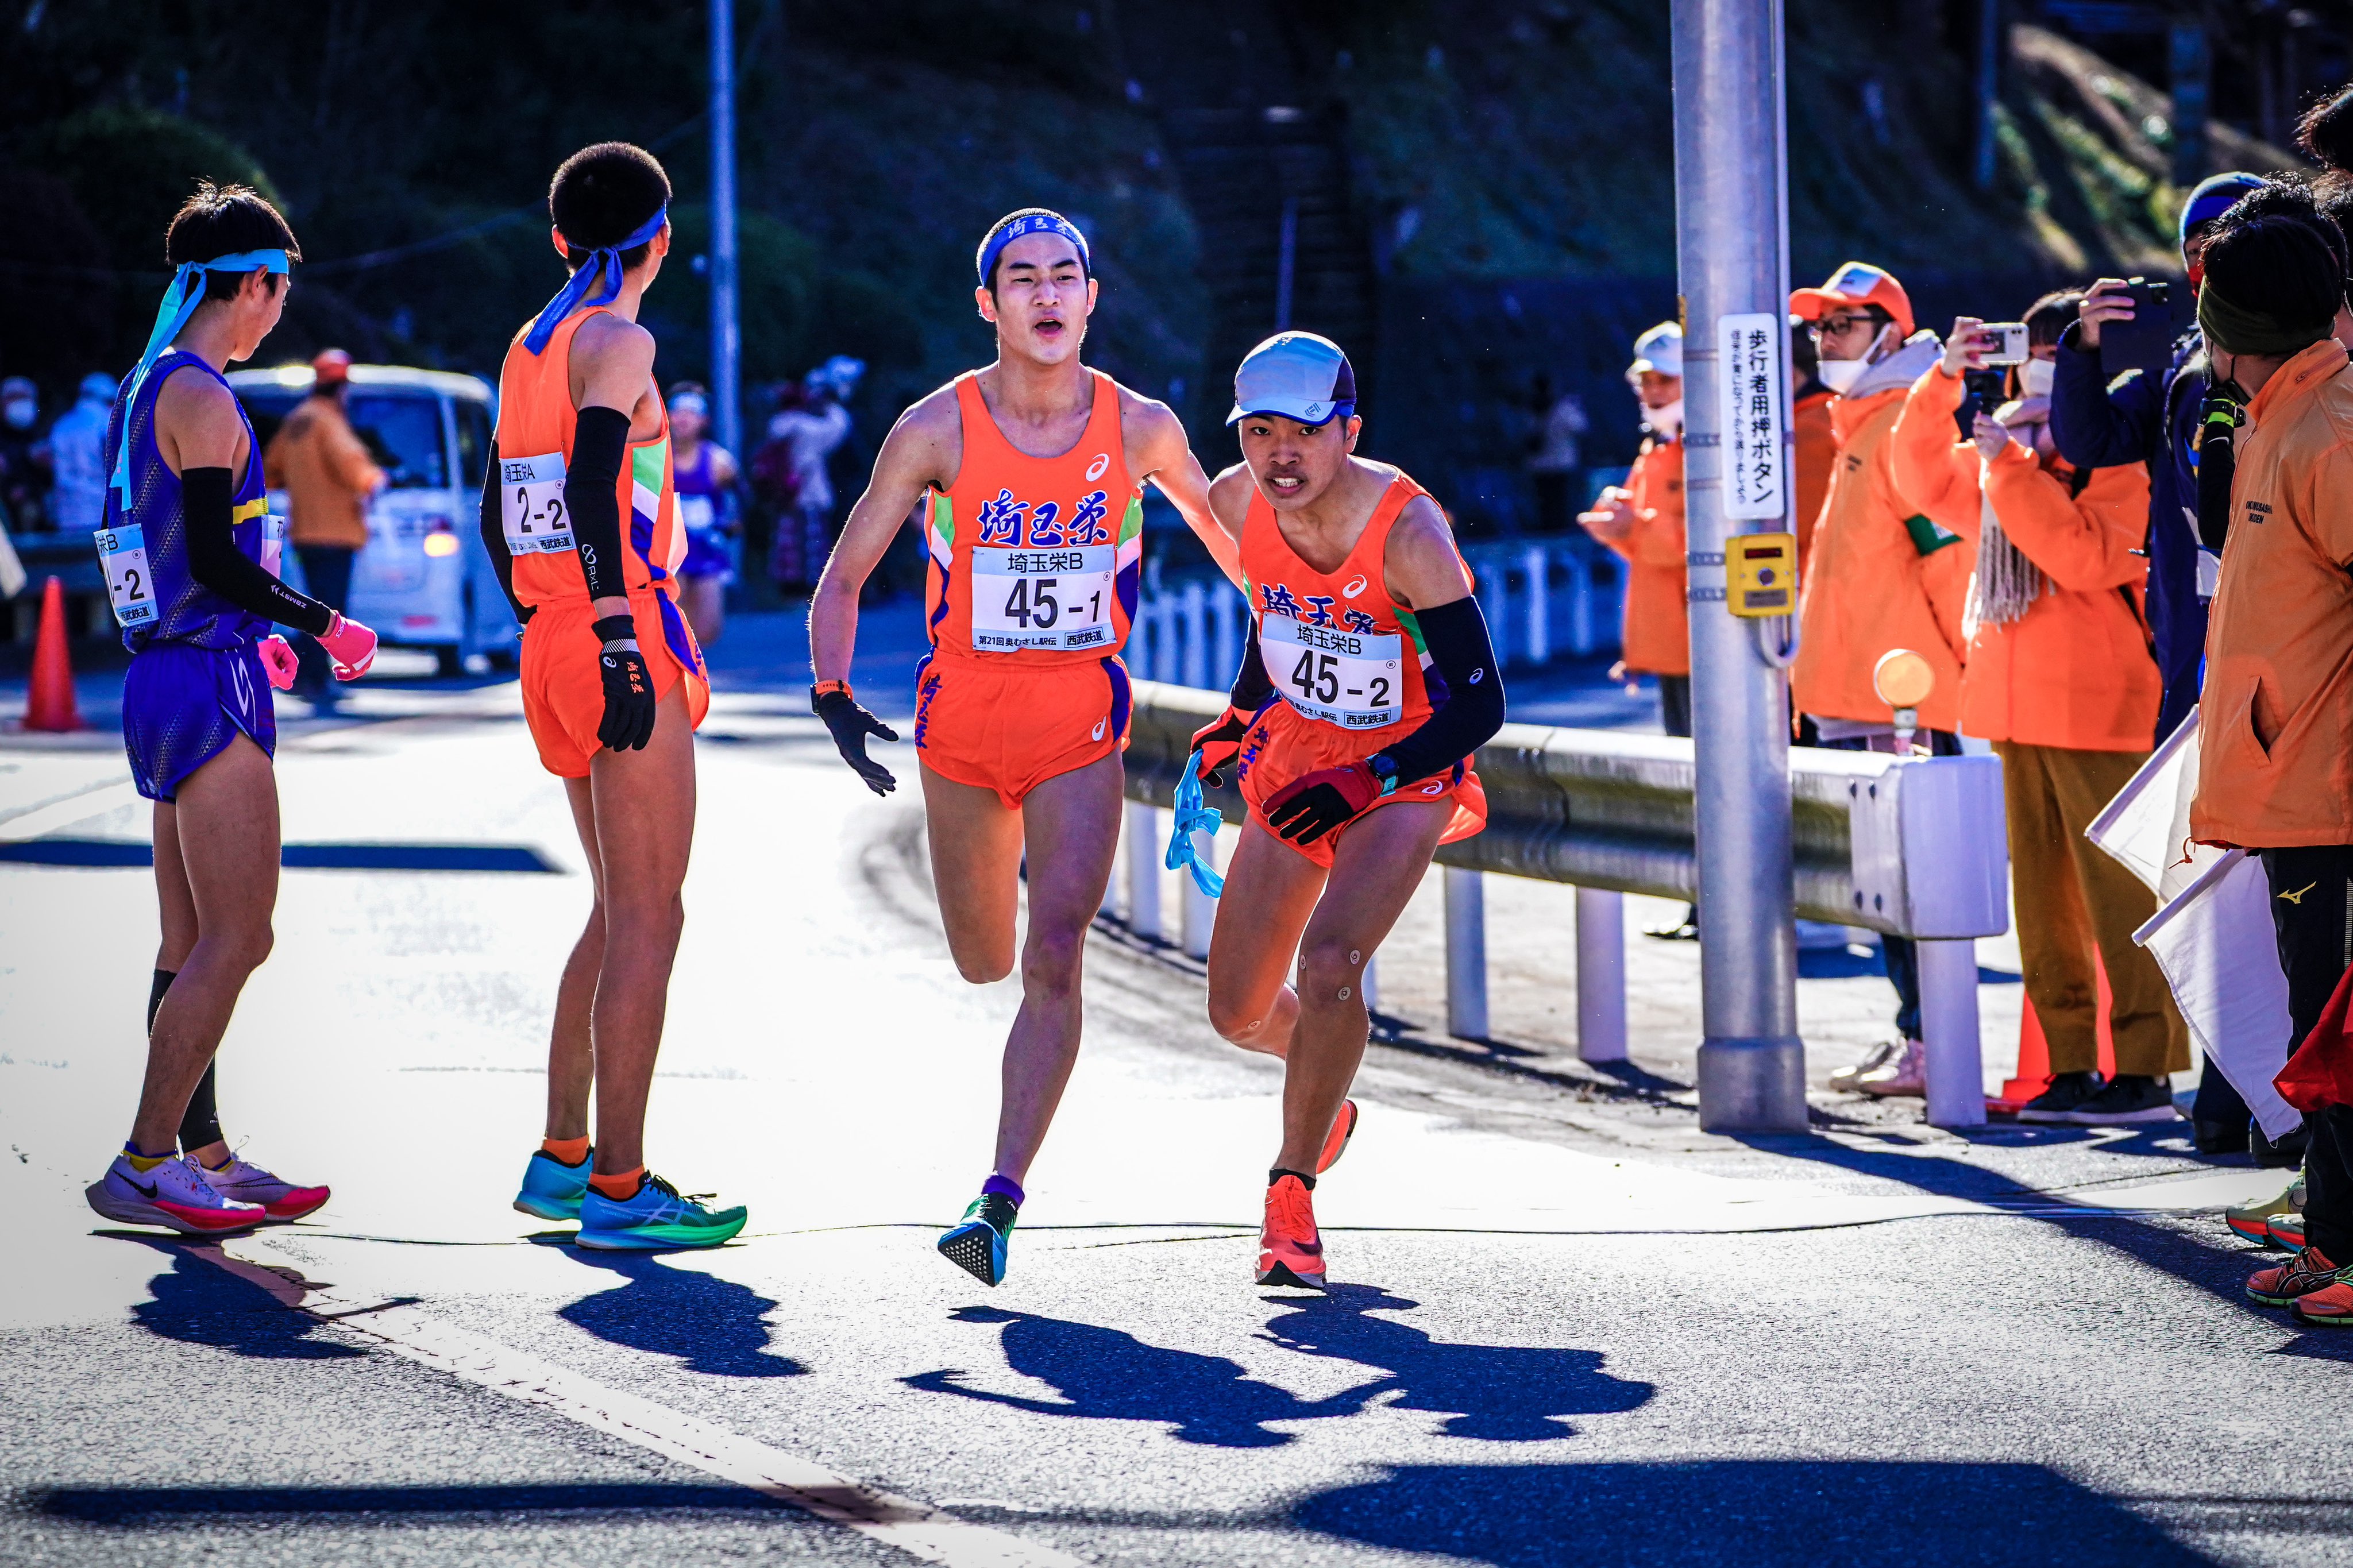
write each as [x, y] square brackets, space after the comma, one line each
[1761, 574]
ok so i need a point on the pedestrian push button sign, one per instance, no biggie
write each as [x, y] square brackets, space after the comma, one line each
[1761, 574]
[1755, 390]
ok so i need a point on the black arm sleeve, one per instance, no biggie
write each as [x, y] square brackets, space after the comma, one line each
[216, 562]
[600, 443]
[1251, 686]
[1456, 635]
[494, 541]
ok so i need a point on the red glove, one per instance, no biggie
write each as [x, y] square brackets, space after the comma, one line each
[352, 647]
[1310, 806]
[278, 662]
[1220, 743]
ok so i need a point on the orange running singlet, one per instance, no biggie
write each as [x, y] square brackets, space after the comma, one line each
[563, 693]
[1349, 667]
[1036, 560]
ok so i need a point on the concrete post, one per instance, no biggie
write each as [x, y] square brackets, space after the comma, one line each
[1466, 953]
[1732, 229]
[1948, 1027]
[1600, 974]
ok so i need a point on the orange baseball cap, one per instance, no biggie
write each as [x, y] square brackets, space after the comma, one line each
[1855, 283]
[332, 366]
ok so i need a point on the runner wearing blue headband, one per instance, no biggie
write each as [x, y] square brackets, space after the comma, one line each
[1030, 474]
[190, 559]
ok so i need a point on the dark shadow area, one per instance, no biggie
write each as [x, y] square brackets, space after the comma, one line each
[198, 1304]
[175, 1505]
[1104, 1375]
[711, 1325]
[1502, 1393]
[1854, 961]
[1613, 1080]
[108, 852]
[1755, 1513]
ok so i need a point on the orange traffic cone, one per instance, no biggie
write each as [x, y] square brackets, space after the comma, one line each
[49, 705]
[2034, 1054]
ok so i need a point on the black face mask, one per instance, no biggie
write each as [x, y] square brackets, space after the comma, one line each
[2219, 419]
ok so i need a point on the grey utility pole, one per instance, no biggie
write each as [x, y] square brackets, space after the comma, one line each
[726, 378]
[1732, 257]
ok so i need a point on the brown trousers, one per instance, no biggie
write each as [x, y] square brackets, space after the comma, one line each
[2072, 899]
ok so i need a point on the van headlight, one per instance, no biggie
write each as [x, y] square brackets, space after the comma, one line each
[439, 544]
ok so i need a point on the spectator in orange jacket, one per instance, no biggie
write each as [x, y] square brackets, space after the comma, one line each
[1643, 521]
[2061, 677]
[1810, 418]
[2276, 722]
[1883, 576]
[327, 475]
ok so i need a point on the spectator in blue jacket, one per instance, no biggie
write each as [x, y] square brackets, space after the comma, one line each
[2097, 426]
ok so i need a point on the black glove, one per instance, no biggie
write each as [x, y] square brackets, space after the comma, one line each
[629, 721]
[1220, 743]
[850, 725]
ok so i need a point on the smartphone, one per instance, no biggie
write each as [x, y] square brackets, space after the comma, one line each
[2146, 343]
[2008, 342]
[1984, 395]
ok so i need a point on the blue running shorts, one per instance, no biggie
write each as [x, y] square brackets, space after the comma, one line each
[182, 704]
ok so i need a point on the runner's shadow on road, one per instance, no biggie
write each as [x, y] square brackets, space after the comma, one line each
[1502, 1393]
[712, 1325]
[1769, 1514]
[197, 1303]
[1105, 1375]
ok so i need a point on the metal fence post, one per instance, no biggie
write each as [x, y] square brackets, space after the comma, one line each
[1143, 869]
[1164, 647]
[1495, 604]
[1537, 565]
[1580, 606]
[1732, 242]
[1466, 953]
[1948, 1027]
[1196, 609]
[1224, 632]
[1197, 912]
[1600, 974]
[1371, 985]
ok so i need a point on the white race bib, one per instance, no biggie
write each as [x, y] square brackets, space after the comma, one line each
[1042, 598]
[130, 586]
[531, 505]
[697, 513]
[273, 544]
[1354, 680]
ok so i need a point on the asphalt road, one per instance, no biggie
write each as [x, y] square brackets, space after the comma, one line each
[1567, 1328]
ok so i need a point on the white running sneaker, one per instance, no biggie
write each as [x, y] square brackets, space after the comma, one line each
[1906, 1074]
[1845, 1079]
[173, 1195]
[243, 1181]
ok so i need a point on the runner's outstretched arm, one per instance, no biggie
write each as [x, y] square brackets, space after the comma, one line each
[1165, 457]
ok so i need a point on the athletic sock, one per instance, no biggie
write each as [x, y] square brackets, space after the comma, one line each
[1005, 1186]
[163, 983]
[142, 1163]
[621, 1186]
[1279, 1172]
[200, 1123]
[564, 1151]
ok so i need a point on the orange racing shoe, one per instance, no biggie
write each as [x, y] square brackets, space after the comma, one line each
[1290, 1249]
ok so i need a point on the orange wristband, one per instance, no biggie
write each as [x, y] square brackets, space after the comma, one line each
[822, 687]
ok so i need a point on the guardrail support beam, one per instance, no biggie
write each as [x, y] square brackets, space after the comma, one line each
[1600, 975]
[1466, 953]
[1949, 1028]
[1732, 241]
[1143, 868]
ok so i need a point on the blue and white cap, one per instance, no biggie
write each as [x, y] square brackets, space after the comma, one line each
[1298, 375]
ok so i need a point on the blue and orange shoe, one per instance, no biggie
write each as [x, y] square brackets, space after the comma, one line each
[1335, 1142]
[656, 1217]
[1290, 1248]
[979, 1243]
[552, 1189]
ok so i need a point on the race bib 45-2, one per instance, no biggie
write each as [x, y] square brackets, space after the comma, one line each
[1354, 680]
[1042, 598]
[130, 586]
[531, 505]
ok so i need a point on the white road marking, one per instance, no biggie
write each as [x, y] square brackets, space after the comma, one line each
[79, 807]
[915, 1528]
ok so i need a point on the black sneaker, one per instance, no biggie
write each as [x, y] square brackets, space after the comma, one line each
[2219, 1137]
[2058, 1102]
[2128, 1096]
[2288, 1153]
[1684, 929]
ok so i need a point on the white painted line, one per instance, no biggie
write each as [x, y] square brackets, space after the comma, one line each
[915, 1528]
[81, 806]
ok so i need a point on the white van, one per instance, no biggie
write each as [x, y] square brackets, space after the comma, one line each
[423, 580]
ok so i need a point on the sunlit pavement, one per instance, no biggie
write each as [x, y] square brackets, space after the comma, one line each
[1567, 1327]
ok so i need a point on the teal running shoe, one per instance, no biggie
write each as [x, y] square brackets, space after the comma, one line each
[552, 1189]
[655, 1219]
[976, 1242]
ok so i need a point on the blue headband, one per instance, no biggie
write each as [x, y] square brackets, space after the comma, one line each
[601, 272]
[180, 302]
[1029, 223]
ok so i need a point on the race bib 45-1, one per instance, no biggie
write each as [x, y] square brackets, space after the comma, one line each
[531, 505]
[1042, 598]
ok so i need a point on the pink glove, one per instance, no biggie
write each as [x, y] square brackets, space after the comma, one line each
[278, 663]
[351, 646]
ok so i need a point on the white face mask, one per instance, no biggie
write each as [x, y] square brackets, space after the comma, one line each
[2035, 377]
[20, 412]
[1839, 374]
[1666, 420]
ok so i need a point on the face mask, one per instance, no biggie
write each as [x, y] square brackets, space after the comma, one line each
[20, 415]
[1839, 374]
[1666, 420]
[2035, 377]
